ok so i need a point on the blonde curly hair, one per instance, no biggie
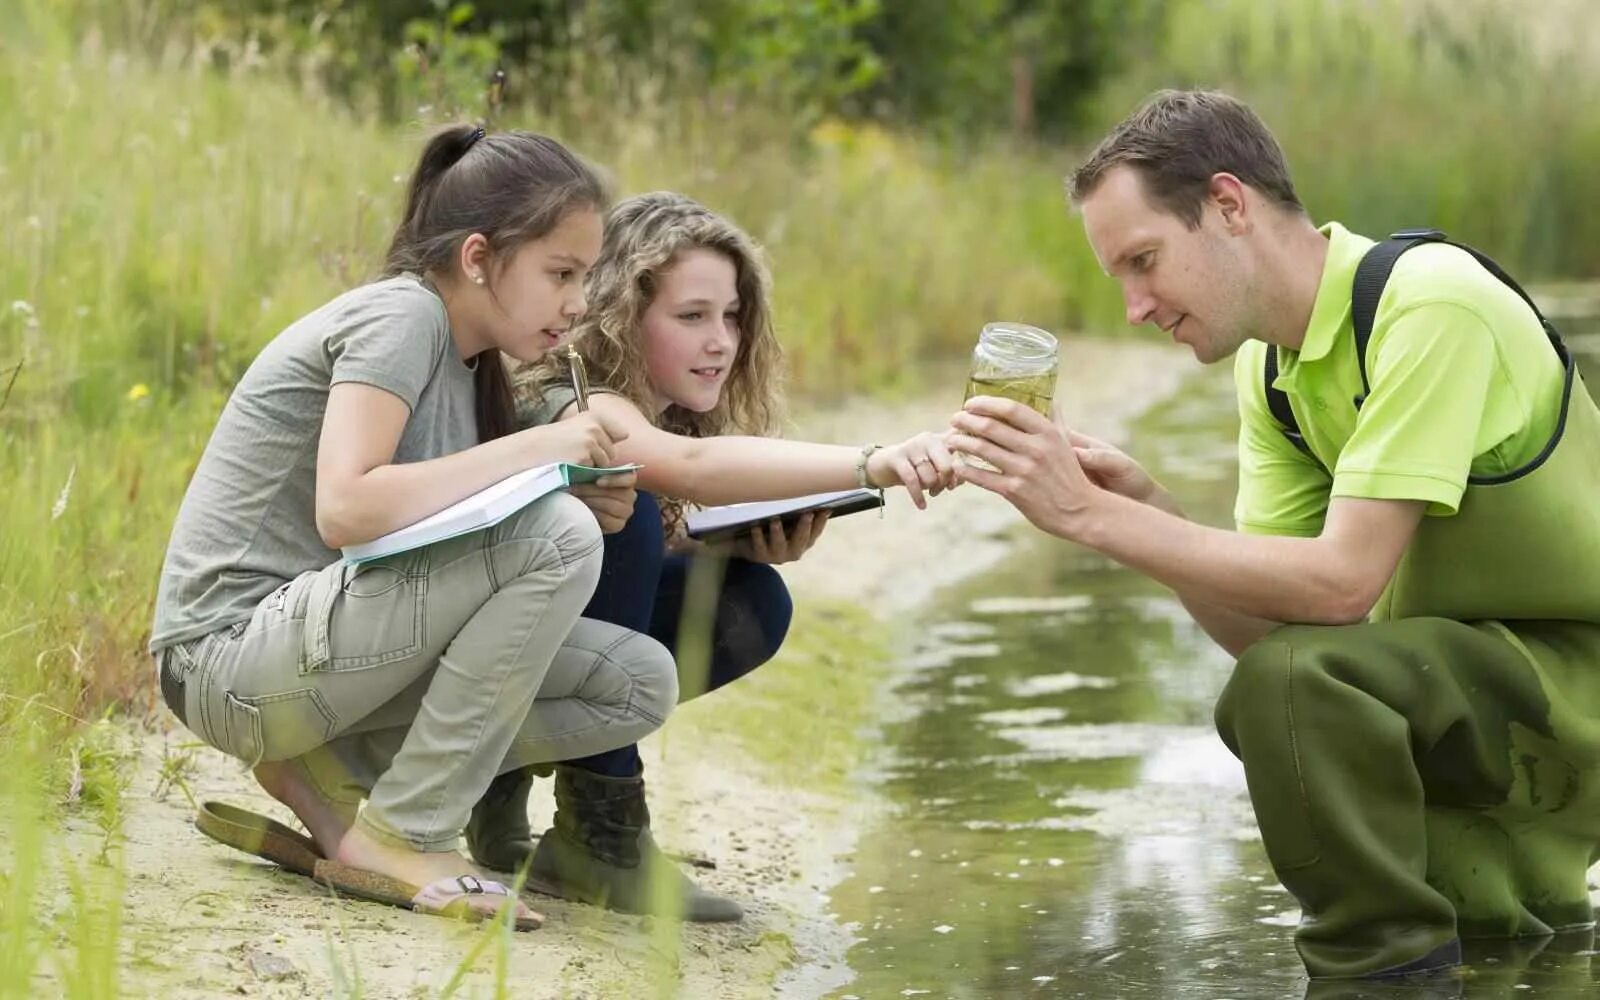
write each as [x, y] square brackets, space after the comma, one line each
[644, 238]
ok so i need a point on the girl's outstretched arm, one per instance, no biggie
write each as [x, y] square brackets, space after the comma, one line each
[737, 468]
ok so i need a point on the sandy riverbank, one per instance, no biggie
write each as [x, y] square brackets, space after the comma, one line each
[202, 920]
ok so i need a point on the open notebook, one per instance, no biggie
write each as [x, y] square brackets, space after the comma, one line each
[483, 509]
[718, 524]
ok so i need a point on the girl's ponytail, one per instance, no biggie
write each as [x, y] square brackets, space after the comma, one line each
[442, 152]
[512, 187]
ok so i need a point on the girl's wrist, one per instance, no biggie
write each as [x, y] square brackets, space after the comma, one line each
[864, 478]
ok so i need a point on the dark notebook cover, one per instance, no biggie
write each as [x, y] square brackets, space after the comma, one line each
[718, 524]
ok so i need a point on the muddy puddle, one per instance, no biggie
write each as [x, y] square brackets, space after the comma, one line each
[1065, 822]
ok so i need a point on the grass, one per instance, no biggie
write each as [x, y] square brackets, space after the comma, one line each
[1479, 118]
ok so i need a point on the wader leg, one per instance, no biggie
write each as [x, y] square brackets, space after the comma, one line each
[1406, 772]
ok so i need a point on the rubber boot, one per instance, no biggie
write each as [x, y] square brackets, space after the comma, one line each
[498, 835]
[599, 850]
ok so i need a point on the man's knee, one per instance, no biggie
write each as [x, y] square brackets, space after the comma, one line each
[1257, 690]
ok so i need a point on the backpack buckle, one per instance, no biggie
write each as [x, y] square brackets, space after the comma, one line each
[1418, 234]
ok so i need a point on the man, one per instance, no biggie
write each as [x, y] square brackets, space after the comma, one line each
[1414, 587]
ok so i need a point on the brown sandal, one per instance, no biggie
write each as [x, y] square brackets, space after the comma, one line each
[446, 897]
[260, 835]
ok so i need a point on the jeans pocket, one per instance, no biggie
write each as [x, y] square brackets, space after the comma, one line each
[366, 614]
[240, 734]
[279, 726]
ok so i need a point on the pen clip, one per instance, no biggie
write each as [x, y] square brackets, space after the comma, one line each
[580, 378]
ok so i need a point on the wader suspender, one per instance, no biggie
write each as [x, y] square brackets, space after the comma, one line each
[1371, 275]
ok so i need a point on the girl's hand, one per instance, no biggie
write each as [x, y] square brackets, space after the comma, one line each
[610, 498]
[584, 439]
[919, 463]
[770, 545]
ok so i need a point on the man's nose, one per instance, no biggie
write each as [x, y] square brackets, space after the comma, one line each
[1140, 306]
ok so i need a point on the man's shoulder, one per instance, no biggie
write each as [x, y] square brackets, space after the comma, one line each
[1435, 273]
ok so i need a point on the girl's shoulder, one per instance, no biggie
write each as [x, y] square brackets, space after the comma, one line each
[399, 296]
[402, 310]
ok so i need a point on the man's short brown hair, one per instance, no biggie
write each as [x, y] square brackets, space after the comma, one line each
[1178, 140]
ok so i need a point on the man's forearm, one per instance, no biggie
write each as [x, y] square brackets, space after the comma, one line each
[1268, 578]
[1233, 631]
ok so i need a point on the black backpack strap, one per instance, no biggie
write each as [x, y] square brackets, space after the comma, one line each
[1373, 273]
[1278, 402]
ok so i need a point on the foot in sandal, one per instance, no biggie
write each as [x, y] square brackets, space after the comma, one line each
[434, 881]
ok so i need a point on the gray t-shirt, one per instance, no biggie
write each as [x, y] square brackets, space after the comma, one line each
[247, 523]
[543, 405]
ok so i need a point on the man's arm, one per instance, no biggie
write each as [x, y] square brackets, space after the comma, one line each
[1334, 578]
[1232, 630]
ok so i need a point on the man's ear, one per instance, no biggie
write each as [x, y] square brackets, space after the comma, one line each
[1230, 196]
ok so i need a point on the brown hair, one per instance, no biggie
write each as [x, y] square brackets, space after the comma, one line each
[512, 187]
[1178, 140]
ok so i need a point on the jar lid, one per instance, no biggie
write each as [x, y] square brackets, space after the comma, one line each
[1019, 341]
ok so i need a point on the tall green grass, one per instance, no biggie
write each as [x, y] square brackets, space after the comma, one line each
[1480, 118]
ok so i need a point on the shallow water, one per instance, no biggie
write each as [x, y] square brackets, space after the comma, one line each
[1066, 822]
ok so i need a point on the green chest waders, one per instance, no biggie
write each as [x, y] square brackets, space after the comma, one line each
[1435, 773]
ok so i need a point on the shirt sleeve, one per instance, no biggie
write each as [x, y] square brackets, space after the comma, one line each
[544, 404]
[393, 341]
[1282, 490]
[1416, 433]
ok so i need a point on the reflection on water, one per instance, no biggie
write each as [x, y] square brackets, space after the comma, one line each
[1067, 823]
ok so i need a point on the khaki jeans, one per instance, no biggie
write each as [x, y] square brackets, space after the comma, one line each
[413, 680]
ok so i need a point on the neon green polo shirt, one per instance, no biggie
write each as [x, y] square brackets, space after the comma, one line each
[1463, 381]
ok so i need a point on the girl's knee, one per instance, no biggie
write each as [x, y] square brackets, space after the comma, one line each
[762, 591]
[560, 524]
[652, 675]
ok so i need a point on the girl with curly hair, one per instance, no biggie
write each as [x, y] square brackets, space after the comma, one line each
[679, 342]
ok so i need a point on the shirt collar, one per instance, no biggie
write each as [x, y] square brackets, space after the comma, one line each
[1331, 311]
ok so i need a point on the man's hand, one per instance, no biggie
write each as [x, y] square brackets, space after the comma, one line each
[1110, 469]
[1039, 469]
[769, 544]
[610, 498]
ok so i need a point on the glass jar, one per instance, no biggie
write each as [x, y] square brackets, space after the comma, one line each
[1016, 361]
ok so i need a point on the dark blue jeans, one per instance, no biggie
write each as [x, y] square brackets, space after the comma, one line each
[642, 587]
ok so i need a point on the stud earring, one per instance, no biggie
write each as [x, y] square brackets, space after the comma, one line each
[478, 278]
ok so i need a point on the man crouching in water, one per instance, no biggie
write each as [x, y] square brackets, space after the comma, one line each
[1413, 591]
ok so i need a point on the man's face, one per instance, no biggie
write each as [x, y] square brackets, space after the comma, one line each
[1192, 283]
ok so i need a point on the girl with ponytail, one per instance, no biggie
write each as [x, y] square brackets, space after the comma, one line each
[412, 680]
